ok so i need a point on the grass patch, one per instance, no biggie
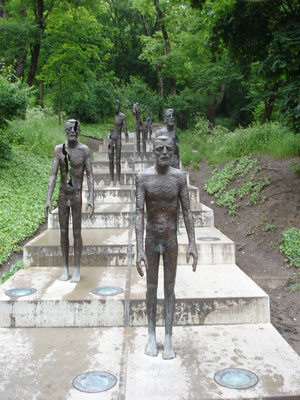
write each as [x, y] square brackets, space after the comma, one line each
[24, 186]
[219, 145]
[15, 268]
[290, 246]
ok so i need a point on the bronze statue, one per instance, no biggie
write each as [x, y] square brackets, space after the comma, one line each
[170, 132]
[72, 158]
[138, 129]
[148, 125]
[115, 144]
[161, 187]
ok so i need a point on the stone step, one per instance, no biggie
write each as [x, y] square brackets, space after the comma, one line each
[122, 194]
[51, 358]
[118, 216]
[202, 298]
[102, 177]
[139, 165]
[109, 247]
[125, 156]
[126, 147]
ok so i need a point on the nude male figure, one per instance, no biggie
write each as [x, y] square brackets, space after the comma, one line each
[115, 144]
[162, 187]
[169, 131]
[72, 158]
[138, 128]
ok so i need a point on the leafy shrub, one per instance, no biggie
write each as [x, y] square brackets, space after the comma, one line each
[290, 246]
[15, 268]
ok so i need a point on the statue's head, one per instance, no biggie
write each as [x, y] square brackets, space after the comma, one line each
[72, 129]
[117, 105]
[169, 116]
[163, 148]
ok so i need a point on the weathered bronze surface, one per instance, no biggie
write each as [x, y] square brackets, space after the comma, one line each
[169, 131]
[72, 158]
[162, 187]
[139, 127]
[115, 144]
[148, 125]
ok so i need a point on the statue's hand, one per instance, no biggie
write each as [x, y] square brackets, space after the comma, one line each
[92, 206]
[47, 208]
[141, 257]
[192, 251]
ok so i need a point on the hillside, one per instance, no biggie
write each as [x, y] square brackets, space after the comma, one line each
[257, 230]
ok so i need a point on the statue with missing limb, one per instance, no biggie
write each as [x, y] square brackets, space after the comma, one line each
[115, 144]
[72, 158]
[148, 125]
[138, 129]
[169, 131]
[162, 187]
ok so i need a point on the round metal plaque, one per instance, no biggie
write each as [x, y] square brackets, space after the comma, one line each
[107, 291]
[236, 378]
[94, 382]
[18, 292]
[208, 239]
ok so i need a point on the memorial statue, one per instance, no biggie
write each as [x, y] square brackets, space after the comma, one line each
[72, 158]
[138, 129]
[170, 132]
[148, 125]
[162, 187]
[115, 144]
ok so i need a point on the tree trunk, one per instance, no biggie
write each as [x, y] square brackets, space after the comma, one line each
[269, 104]
[213, 107]
[42, 93]
[35, 52]
[2, 12]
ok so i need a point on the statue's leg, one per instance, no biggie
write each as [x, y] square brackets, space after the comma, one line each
[111, 163]
[151, 295]
[118, 162]
[146, 132]
[170, 266]
[138, 137]
[144, 138]
[63, 215]
[150, 132]
[76, 217]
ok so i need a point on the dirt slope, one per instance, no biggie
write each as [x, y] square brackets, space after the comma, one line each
[257, 247]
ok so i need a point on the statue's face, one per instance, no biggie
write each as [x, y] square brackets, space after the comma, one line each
[169, 117]
[163, 149]
[72, 130]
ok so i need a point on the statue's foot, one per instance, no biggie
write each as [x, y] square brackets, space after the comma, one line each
[65, 276]
[118, 184]
[151, 348]
[76, 276]
[169, 352]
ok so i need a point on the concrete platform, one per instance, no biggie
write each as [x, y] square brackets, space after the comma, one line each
[201, 298]
[109, 247]
[41, 364]
[138, 165]
[118, 216]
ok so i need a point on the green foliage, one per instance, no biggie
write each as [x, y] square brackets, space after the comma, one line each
[220, 180]
[290, 246]
[15, 268]
[24, 185]
[97, 131]
[222, 145]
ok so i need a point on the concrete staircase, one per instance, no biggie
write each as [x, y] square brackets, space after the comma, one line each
[222, 318]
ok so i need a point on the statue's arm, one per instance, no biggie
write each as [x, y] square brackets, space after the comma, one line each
[90, 179]
[139, 224]
[52, 180]
[188, 220]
